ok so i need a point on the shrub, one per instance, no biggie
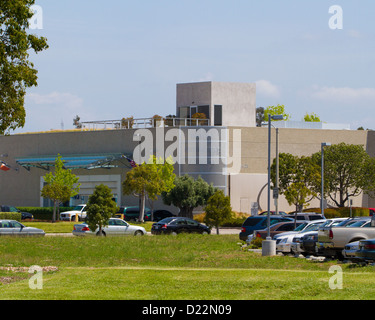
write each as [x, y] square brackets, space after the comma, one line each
[236, 220]
[342, 212]
[127, 122]
[42, 213]
[155, 119]
[11, 215]
[256, 243]
[218, 210]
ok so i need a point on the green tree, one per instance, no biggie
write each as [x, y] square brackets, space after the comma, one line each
[17, 72]
[59, 185]
[188, 194]
[311, 117]
[259, 116]
[77, 123]
[297, 176]
[276, 110]
[151, 179]
[100, 207]
[218, 210]
[348, 171]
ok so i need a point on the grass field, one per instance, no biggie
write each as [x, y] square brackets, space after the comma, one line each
[184, 267]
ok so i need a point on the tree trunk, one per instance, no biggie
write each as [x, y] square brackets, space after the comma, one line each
[152, 210]
[186, 212]
[217, 229]
[54, 211]
[100, 232]
[142, 208]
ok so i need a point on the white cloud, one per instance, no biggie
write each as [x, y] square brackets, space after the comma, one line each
[266, 88]
[65, 100]
[54, 110]
[354, 34]
[343, 94]
[207, 77]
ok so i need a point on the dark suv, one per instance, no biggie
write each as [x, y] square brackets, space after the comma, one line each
[24, 215]
[132, 213]
[259, 223]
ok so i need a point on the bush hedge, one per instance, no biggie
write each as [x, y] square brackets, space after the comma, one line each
[342, 212]
[11, 216]
[236, 219]
[42, 213]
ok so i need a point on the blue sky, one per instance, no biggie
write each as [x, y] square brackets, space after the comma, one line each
[119, 58]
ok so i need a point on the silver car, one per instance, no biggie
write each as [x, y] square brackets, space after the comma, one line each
[349, 250]
[14, 228]
[115, 227]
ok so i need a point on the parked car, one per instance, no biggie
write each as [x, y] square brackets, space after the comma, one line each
[349, 251]
[115, 227]
[284, 240]
[283, 213]
[161, 214]
[70, 215]
[132, 213]
[15, 228]
[175, 225]
[366, 250]
[331, 241]
[24, 215]
[310, 216]
[309, 240]
[258, 223]
[275, 229]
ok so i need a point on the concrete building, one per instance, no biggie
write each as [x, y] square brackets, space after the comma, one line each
[227, 150]
[223, 103]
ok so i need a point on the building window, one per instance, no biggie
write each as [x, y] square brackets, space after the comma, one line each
[205, 110]
[218, 115]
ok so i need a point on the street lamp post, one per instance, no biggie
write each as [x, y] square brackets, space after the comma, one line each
[277, 173]
[268, 245]
[323, 144]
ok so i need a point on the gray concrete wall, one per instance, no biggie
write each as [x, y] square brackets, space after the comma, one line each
[237, 100]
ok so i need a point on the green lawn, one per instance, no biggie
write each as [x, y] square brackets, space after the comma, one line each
[186, 267]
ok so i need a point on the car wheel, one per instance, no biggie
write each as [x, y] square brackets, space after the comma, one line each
[174, 233]
[103, 234]
[72, 219]
[138, 233]
[204, 232]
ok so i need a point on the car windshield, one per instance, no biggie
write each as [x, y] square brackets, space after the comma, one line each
[327, 223]
[301, 226]
[166, 220]
[313, 226]
[77, 208]
[357, 224]
[349, 222]
[252, 221]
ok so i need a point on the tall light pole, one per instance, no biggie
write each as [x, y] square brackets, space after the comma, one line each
[276, 190]
[323, 144]
[269, 246]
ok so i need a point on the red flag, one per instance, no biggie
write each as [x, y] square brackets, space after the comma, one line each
[4, 167]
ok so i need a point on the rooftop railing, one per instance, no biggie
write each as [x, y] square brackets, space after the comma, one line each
[129, 123]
